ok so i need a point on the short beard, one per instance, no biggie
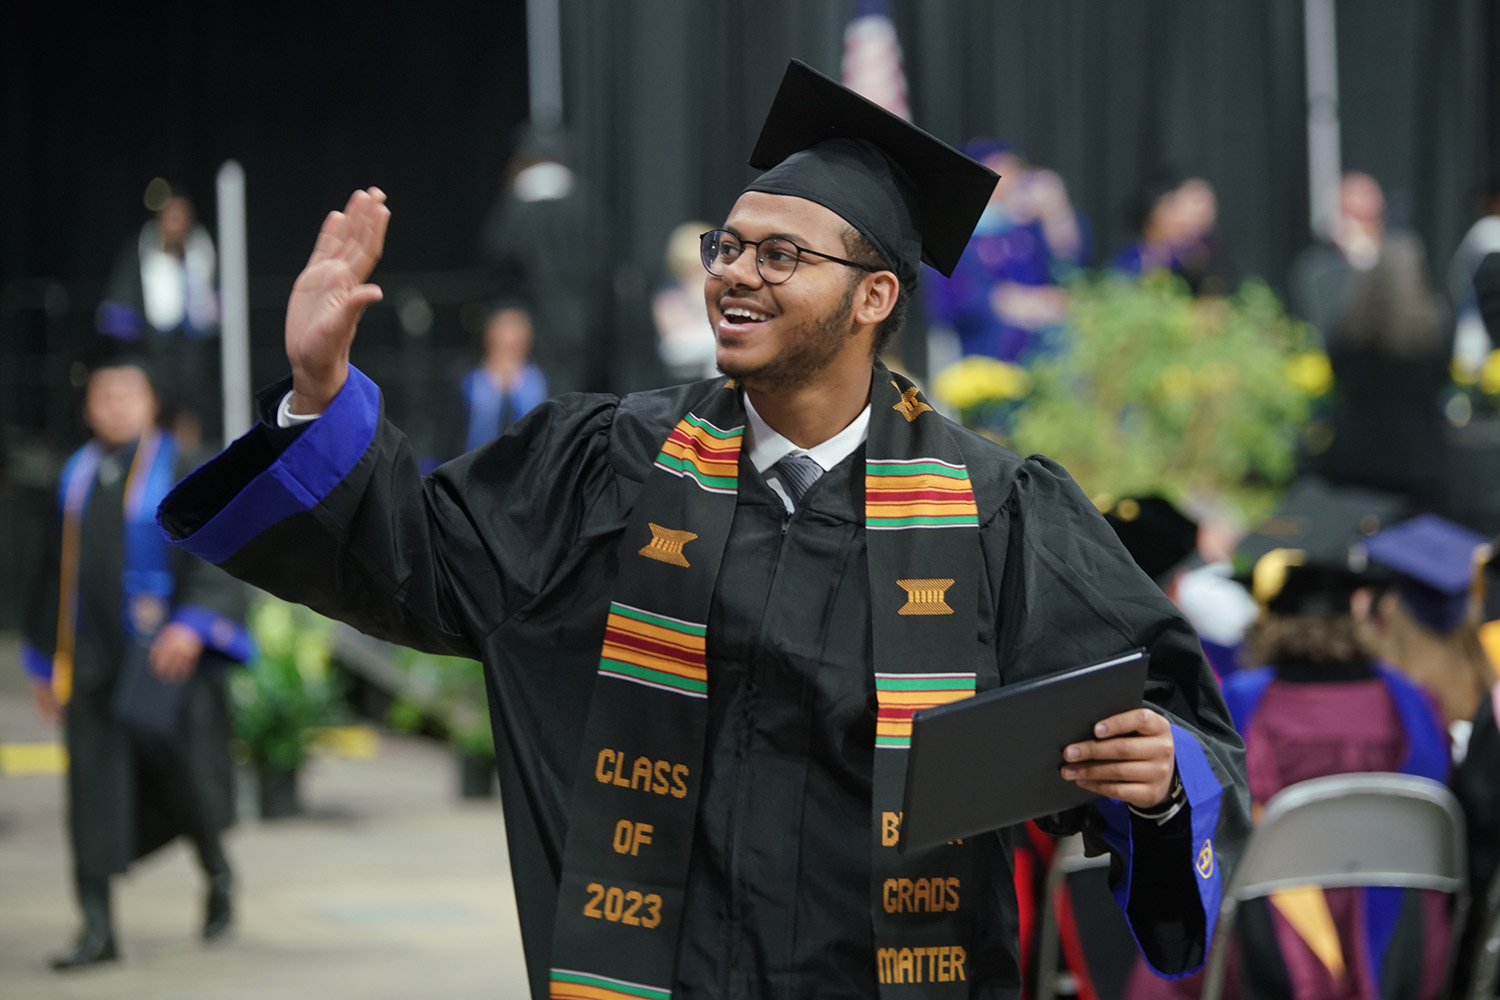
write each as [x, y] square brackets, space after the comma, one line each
[812, 349]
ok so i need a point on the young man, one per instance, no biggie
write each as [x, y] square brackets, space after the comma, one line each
[707, 612]
[125, 642]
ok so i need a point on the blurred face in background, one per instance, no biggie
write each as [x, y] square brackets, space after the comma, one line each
[119, 405]
[1198, 207]
[175, 220]
[507, 337]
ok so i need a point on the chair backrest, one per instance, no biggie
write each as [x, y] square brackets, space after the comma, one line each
[1348, 830]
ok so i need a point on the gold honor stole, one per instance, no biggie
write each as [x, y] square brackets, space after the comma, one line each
[635, 797]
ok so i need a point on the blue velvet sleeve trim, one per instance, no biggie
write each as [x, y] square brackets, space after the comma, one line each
[219, 633]
[298, 480]
[38, 665]
[1204, 793]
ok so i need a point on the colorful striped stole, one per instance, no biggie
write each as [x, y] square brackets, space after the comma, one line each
[635, 798]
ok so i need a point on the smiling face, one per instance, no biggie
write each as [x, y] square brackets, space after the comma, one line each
[788, 335]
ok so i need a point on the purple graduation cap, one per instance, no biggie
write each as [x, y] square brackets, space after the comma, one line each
[1435, 563]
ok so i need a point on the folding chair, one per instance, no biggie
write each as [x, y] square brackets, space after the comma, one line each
[1069, 860]
[1362, 829]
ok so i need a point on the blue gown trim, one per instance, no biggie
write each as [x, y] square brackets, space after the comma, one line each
[225, 635]
[300, 478]
[1204, 795]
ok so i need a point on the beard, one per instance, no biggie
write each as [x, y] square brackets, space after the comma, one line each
[810, 349]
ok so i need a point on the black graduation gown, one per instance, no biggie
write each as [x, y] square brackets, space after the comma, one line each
[1476, 783]
[128, 797]
[509, 554]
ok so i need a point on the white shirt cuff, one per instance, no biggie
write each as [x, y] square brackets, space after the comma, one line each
[286, 418]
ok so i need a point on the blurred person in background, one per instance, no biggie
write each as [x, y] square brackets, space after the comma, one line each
[161, 298]
[1316, 702]
[505, 386]
[689, 611]
[685, 336]
[1390, 356]
[1004, 299]
[532, 239]
[1323, 275]
[1203, 257]
[1474, 283]
[1424, 617]
[1162, 223]
[125, 640]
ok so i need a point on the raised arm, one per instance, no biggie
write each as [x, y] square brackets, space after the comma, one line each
[330, 296]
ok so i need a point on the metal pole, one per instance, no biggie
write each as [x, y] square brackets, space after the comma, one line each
[1323, 155]
[234, 339]
[544, 63]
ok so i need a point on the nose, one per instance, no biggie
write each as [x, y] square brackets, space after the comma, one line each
[744, 272]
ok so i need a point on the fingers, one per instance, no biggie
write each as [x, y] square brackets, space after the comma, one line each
[355, 236]
[365, 240]
[1138, 720]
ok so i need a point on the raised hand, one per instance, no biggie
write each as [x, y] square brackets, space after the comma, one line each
[330, 296]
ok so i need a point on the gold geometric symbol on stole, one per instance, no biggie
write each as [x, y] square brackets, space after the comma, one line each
[910, 406]
[925, 597]
[729, 384]
[666, 545]
[1205, 863]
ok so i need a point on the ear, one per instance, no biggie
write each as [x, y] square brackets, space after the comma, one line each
[876, 298]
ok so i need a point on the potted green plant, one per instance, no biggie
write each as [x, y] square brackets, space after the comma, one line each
[283, 698]
[445, 696]
[1157, 392]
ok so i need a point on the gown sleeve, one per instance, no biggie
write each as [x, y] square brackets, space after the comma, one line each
[1070, 595]
[335, 515]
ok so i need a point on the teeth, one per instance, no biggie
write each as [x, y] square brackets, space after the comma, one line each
[746, 314]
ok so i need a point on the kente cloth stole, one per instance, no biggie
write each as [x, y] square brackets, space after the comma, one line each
[635, 797]
[147, 583]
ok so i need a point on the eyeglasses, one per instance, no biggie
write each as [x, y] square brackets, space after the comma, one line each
[775, 259]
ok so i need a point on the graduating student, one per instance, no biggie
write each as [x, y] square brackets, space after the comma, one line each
[1426, 619]
[707, 612]
[125, 642]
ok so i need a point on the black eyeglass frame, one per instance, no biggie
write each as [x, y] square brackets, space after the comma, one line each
[703, 245]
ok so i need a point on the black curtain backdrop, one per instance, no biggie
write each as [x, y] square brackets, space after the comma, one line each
[663, 99]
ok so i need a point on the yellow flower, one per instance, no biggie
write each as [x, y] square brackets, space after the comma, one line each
[1489, 375]
[1310, 372]
[1176, 381]
[977, 379]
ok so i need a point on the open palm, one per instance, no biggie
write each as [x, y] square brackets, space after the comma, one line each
[330, 296]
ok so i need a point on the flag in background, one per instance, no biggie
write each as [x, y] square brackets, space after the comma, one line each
[872, 58]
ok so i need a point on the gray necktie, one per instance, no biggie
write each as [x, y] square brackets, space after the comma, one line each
[797, 473]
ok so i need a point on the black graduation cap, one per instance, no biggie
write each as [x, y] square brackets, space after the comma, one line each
[1298, 560]
[912, 195]
[1321, 520]
[103, 352]
[1436, 564]
[1158, 536]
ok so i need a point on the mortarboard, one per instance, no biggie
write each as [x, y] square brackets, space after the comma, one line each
[1435, 563]
[913, 196]
[1158, 536]
[1321, 520]
[1298, 560]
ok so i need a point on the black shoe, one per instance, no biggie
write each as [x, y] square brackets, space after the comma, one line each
[218, 914]
[94, 946]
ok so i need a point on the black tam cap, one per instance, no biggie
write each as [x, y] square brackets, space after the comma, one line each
[913, 196]
[1158, 536]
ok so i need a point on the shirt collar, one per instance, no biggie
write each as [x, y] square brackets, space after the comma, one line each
[768, 447]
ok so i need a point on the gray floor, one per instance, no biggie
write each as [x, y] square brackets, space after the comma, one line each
[393, 887]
